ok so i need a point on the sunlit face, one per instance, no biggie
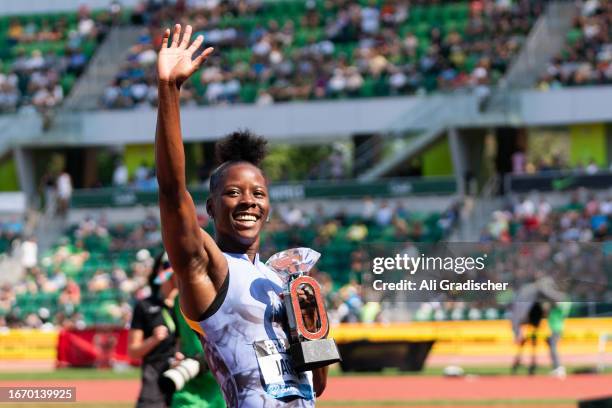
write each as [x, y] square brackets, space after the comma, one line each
[241, 204]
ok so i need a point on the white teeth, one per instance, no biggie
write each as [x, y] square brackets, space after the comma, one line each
[246, 217]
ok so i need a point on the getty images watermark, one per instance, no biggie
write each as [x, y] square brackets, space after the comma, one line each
[483, 273]
[422, 263]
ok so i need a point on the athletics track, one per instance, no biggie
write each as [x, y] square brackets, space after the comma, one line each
[369, 391]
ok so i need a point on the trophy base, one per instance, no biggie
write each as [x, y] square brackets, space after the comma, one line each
[308, 355]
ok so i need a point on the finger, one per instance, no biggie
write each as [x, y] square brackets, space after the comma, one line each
[196, 44]
[202, 57]
[166, 38]
[186, 37]
[176, 35]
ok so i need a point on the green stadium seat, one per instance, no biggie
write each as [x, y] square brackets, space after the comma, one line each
[248, 93]
[67, 82]
[573, 36]
[417, 14]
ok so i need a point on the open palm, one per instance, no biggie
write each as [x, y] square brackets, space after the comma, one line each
[174, 62]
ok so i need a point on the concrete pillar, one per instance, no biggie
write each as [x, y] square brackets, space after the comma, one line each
[26, 173]
[467, 148]
[459, 158]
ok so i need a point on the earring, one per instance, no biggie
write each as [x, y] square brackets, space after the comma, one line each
[268, 218]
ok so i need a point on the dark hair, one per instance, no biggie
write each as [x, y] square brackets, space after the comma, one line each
[155, 287]
[238, 147]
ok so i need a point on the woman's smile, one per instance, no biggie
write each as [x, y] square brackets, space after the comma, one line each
[245, 220]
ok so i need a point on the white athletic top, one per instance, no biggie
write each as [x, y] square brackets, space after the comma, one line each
[245, 343]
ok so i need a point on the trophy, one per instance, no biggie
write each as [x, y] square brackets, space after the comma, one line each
[308, 350]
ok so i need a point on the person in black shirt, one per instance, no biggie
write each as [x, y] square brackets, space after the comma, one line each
[153, 336]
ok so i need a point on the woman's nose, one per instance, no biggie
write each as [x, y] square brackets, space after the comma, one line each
[248, 199]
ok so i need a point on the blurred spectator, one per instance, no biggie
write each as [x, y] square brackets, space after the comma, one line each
[29, 253]
[99, 282]
[64, 192]
[120, 174]
[592, 167]
[384, 214]
[142, 172]
[71, 295]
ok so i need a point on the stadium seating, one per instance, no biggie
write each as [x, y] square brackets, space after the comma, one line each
[109, 266]
[43, 54]
[296, 50]
[585, 221]
[587, 55]
[97, 255]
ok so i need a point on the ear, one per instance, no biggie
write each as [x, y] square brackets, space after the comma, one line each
[209, 208]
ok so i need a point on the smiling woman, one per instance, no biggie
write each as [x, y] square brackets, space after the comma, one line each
[226, 293]
[236, 219]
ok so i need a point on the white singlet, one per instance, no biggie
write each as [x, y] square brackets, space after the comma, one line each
[246, 345]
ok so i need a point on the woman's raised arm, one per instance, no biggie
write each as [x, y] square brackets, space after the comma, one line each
[195, 257]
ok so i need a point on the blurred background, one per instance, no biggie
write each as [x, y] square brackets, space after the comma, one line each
[483, 121]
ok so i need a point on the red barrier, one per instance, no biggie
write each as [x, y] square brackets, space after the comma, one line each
[93, 347]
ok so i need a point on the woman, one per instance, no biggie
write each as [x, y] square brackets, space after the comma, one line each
[152, 336]
[227, 294]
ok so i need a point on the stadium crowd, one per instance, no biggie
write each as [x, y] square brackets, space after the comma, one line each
[585, 218]
[587, 56]
[45, 54]
[569, 243]
[522, 165]
[530, 239]
[96, 272]
[329, 49]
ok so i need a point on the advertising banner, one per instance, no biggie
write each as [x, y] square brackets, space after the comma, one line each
[93, 347]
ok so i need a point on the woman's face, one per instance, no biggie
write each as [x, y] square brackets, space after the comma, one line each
[241, 204]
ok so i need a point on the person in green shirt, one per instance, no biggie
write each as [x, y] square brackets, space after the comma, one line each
[556, 322]
[201, 391]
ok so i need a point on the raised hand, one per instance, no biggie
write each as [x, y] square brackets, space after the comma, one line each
[174, 62]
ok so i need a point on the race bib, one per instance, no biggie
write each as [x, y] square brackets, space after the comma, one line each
[279, 378]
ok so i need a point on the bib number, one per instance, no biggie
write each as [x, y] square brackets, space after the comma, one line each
[279, 377]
